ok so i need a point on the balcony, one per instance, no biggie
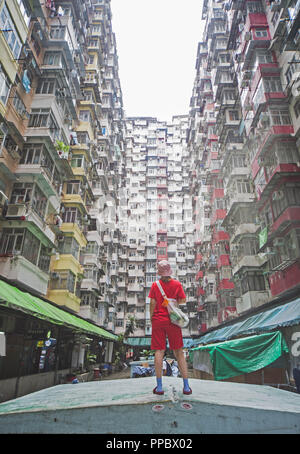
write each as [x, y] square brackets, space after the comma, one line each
[20, 270]
[89, 313]
[268, 136]
[31, 219]
[249, 261]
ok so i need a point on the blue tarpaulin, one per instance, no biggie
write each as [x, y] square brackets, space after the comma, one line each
[146, 342]
[285, 315]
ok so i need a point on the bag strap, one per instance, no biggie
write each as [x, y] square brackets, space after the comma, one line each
[161, 289]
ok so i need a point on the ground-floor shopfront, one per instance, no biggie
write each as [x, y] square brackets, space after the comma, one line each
[42, 344]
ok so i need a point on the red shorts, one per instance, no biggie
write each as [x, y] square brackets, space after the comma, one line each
[161, 330]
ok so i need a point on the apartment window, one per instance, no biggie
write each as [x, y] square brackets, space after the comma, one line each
[88, 95]
[38, 118]
[11, 241]
[286, 152]
[21, 193]
[31, 247]
[261, 32]
[24, 12]
[83, 138]
[77, 161]
[53, 59]
[58, 32]
[243, 186]
[39, 202]
[44, 259]
[275, 18]
[272, 84]
[65, 281]
[19, 105]
[220, 204]
[280, 117]
[46, 86]
[254, 7]
[264, 57]
[292, 68]
[31, 154]
[69, 246]
[92, 248]
[84, 115]
[70, 215]
[238, 161]
[226, 77]
[253, 282]
[4, 86]
[91, 272]
[233, 115]
[73, 187]
[11, 35]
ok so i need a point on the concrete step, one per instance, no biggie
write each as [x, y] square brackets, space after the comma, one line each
[128, 406]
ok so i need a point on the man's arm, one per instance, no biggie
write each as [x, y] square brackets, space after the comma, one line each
[181, 301]
[152, 307]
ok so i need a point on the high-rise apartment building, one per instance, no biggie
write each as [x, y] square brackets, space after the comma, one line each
[243, 143]
[62, 152]
[157, 222]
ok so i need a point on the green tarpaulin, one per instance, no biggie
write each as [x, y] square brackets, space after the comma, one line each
[14, 298]
[239, 356]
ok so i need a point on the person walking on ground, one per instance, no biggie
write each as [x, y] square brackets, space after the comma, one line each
[162, 326]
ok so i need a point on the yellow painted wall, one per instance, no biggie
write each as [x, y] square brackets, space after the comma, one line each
[64, 298]
[66, 262]
[68, 227]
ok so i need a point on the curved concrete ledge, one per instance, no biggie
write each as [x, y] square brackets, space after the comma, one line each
[128, 406]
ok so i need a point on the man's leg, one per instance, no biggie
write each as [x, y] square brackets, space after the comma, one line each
[158, 343]
[182, 364]
[158, 362]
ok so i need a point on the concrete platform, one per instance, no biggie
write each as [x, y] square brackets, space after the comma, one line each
[128, 406]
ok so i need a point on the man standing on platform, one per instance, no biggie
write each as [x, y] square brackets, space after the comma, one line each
[162, 326]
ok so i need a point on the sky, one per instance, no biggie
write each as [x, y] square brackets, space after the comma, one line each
[157, 47]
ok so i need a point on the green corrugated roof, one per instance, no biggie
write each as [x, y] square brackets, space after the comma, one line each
[14, 298]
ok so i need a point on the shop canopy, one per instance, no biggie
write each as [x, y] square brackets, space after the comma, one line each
[146, 342]
[14, 298]
[285, 315]
[239, 356]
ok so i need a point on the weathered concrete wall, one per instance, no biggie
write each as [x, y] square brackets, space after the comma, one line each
[128, 406]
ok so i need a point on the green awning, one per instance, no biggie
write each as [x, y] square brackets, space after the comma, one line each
[146, 342]
[239, 356]
[14, 298]
[285, 315]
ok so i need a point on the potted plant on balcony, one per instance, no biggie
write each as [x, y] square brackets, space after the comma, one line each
[62, 149]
